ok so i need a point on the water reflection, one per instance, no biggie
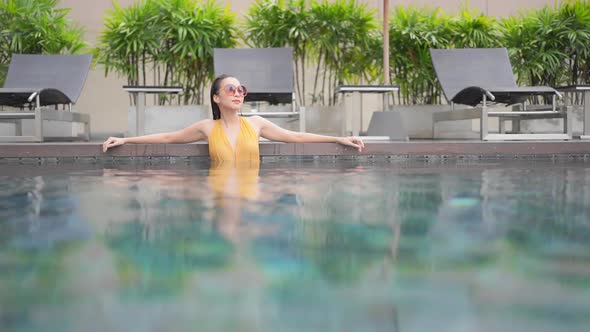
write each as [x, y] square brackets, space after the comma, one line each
[331, 247]
[157, 256]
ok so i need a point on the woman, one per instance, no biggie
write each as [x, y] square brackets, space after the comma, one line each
[232, 137]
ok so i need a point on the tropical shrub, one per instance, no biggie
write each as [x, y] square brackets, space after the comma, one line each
[166, 42]
[535, 48]
[36, 27]
[343, 32]
[335, 38]
[473, 29]
[412, 32]
[574, 17]
[551, 46]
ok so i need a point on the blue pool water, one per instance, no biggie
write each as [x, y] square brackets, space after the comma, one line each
[329, 245]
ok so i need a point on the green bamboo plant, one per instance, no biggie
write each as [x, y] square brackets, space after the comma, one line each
[130, 40]
[192, 31]
[36, 27]
[343, 33]
[574, 20]
[473, 29]
[413, 31]
[533, 41]
[166, 42]
[550, 46]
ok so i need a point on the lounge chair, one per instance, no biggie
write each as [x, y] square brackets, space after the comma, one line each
[35, 81]
[483, 77]
[268, 74]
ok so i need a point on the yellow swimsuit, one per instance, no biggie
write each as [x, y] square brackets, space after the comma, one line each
[234, 181]
[220, 149]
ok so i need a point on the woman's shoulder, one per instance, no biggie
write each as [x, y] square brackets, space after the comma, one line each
[207, 122]
[255, 119]
[205, 125]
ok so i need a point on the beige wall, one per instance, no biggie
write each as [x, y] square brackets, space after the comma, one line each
[107, 103]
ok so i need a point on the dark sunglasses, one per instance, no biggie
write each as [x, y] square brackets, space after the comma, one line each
[231, 89]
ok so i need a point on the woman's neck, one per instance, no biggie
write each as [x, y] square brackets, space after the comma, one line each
[229, 118]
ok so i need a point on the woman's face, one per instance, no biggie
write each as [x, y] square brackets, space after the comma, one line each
[230, 95]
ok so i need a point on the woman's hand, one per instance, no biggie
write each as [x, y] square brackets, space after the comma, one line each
[352, 141]
[112, 142]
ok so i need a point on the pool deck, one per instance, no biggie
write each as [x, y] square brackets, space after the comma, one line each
[442, 148]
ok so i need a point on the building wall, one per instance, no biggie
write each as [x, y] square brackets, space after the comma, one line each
[106, 102]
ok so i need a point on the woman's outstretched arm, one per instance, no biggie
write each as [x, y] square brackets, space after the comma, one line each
[189, 134]
[273, 132]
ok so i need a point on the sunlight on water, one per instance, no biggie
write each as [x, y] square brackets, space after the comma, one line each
[299, 246]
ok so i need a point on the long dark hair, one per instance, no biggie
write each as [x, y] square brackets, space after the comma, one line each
[215, 86]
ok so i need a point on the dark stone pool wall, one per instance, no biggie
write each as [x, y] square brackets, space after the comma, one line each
[16, 152]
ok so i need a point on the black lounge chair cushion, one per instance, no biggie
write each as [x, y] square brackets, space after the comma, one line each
[22, 97]
[473, 95]
[271, 98]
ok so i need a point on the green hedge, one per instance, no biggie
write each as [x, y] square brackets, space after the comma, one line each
[339, 42]
[548, 46]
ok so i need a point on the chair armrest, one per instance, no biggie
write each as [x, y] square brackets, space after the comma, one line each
[573, 88]
[523, 90]
[272, 114]
[368, 88]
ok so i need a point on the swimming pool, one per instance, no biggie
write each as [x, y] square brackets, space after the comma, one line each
[320, 245]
